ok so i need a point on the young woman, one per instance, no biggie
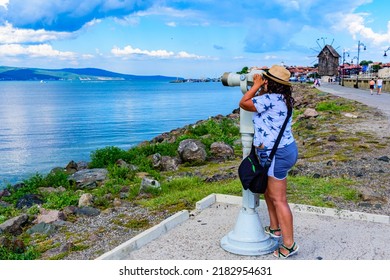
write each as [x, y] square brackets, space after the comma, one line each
[372, 86]
[270, 98]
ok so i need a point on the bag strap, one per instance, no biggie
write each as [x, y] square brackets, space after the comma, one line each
[271, 156]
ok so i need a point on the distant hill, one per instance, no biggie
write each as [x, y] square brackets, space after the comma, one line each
[83, 74]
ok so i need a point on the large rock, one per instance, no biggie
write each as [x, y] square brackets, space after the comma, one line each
[89, 178]
[49, 216]
[147, 183]
[310, 113]
[42, 228]
[191, 150]
[165, 163]
[29, 200]
[221, 150]
[14, 225]
[86, 199]
[87, 211]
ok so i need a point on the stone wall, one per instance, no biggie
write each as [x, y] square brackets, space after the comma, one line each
[384, 72]
[364, 83]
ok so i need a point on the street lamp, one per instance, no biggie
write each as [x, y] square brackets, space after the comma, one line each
[388, 49]
[357, 64]
[343, 69]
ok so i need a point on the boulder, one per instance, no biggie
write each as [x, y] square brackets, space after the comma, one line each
[149, 183]
[89, 178]
[221, 150]
[14, 225]
[165, 163]
[49, 216]
[28, 200]
[191, 151]
[310, 113]
[86, 199]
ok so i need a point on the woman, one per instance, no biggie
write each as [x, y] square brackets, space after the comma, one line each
[270, 97]
[379, 83]
[372, 86]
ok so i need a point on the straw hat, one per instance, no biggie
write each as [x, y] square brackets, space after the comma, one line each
[279, 74]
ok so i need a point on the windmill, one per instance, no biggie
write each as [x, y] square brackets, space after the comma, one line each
[327, 57]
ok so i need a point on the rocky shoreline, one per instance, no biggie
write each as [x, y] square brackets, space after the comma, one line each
[346, 146]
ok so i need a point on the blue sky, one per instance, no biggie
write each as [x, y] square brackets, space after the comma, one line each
[191, 39]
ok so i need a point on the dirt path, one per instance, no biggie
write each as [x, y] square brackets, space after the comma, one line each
[369, 166]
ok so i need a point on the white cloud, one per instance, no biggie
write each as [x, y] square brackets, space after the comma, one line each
[4, 3]
[270, 57]
[183, 54]
[42, 50]
[129, 51]
[167, 11]
[171, 24]
[11, 35]
[70, 15]
[128, 20]
[356, 26]
[92, 22]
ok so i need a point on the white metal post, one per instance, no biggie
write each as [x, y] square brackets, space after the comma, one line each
[248, 237]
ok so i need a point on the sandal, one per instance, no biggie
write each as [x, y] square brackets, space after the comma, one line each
[271, 232]
[291, 251]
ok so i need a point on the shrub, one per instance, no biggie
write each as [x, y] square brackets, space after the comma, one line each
[106, 156]
[57, 179]
[333, 106]
[60, 200]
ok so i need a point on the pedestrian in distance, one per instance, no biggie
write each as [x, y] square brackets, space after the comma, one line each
[372, 86]
[379, 84]
[270, 98]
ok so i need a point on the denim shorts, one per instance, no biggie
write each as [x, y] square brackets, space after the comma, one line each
[283, 161]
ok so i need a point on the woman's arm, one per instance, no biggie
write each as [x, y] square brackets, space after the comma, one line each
[246, 102]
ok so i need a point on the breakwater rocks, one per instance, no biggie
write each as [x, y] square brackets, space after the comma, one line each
[84, 216]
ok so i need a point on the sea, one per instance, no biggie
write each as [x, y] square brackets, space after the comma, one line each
[48, 124]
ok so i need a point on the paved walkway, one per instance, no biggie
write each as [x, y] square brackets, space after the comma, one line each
[322, 233]
[382, 101]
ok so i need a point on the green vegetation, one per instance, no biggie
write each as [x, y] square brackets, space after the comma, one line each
[334, 106]
[30, 254]
[321, 191]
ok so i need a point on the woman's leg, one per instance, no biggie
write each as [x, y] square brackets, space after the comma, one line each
[273, 218]
[277, 196]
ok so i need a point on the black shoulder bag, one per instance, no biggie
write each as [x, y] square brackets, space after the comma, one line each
[252, 174]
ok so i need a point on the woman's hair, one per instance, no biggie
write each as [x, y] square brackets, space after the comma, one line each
[286, 91]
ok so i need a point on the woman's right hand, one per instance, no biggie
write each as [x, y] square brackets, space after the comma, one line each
[258, 80]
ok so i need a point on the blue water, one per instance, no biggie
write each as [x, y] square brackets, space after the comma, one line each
[45, 125]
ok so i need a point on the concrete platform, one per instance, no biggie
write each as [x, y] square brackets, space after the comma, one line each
[322, 234]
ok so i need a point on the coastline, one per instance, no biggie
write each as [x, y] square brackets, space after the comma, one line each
[371, 178]
[65, 121]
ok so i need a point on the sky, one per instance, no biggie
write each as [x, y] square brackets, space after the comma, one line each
[188, 38]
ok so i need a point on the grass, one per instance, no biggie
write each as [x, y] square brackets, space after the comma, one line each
[183, 193]
[319, 191]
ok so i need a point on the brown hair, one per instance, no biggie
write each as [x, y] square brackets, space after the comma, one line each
[286, 91]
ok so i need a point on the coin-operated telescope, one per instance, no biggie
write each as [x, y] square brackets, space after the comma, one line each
[247, 237]
[242, 80]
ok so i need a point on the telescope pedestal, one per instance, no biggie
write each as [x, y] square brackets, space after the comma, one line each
[248, 236]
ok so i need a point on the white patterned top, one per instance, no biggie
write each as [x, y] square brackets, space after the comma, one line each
[268, 120]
